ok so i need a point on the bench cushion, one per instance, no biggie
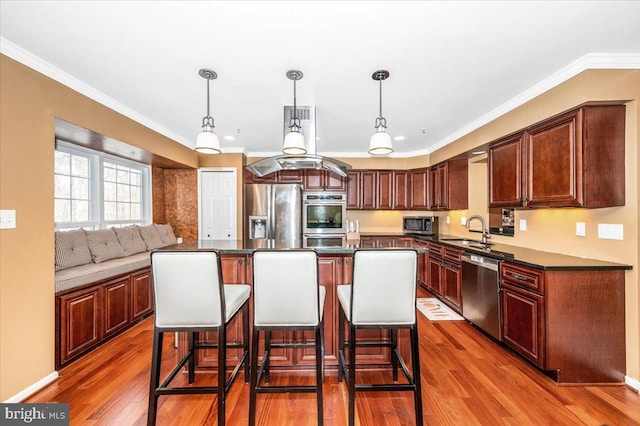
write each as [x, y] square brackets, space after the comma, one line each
[72, 249]
[92, 272]
[166, 234]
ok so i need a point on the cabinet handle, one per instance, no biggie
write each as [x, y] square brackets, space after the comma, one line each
[339, 261]
[248, 261]
[519, 277]
[239, 261]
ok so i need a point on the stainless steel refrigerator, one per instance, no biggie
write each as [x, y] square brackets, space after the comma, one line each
[273, 212]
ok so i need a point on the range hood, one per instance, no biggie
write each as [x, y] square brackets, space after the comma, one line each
[307, 116]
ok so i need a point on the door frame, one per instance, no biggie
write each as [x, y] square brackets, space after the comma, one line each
[234, 171]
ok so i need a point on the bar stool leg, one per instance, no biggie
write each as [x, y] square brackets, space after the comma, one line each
[254, 376]
[415, 360]
[267, 354]
[351, 380]
[319, 373]
[156, 363]
[222, 373]
[394, 357]
[341, 320]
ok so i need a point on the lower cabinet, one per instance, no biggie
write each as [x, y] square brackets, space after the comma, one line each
[87, 317]
[444, 269]
[567, 322]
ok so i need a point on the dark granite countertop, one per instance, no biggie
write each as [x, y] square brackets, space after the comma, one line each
[520, 255]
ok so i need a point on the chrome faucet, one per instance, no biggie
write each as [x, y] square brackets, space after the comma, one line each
[485, 230]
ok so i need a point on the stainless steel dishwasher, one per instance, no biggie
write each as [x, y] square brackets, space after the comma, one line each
[480, 293]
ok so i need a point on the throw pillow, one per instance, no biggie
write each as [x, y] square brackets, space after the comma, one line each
[166, 234]
[104, 245]
[150, 237]
[72, 249]
[130, 240]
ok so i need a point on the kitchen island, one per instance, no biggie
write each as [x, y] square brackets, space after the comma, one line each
[565, 314]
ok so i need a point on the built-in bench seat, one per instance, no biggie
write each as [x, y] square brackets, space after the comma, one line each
[102, 284]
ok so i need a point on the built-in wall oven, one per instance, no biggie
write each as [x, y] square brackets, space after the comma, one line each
[324, 213]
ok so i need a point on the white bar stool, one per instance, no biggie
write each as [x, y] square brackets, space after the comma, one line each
[383, 295]
[190, 297]
[286, 296]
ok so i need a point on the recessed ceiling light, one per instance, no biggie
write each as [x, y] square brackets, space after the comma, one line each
[399, 138]
[478, 152]
[229, 138]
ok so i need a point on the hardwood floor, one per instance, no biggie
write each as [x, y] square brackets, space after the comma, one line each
[467, 380]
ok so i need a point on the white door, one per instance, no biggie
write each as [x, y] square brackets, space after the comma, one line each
[218, 201]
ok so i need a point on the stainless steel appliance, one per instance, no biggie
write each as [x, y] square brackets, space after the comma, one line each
[423, 225]
[273, 212]
[324, 213]
[480, 293]
[328, 240]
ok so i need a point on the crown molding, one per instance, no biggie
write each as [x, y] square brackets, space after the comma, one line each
[32, 61]
[588, 61]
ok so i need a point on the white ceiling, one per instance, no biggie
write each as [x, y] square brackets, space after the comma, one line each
[454, 65]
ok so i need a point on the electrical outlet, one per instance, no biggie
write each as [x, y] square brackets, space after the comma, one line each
[7, 219]
[448, 220]
[523, 224]
[581, 229]
[463, 220]
[607, 231]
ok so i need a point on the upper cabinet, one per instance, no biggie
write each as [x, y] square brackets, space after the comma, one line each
[419, 189]
[573, 160]
[312, 180]
[449, 185]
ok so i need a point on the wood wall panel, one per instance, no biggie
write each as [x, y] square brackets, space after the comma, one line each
[157, 195]
[181, 202]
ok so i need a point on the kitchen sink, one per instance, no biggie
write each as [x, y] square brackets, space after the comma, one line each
[466, 242]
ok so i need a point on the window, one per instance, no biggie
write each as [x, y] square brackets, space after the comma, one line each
[94, 190]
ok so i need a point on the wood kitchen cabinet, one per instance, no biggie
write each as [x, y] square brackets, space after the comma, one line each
[448, 186]
[87, 316]
[322, 180]
[385, 186]
[568, 322]
[419, 189]
[362, 190]
[575, 159]
[445, 274]
[401, 186]
[423, 264]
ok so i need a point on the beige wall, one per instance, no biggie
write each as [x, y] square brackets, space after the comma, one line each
[30, 102]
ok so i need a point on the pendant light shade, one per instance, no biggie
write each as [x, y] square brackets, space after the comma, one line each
[294, 143]
[207, 141]
[380, 143]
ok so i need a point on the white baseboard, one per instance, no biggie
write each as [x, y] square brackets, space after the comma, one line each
[633, 383]
[24, 394]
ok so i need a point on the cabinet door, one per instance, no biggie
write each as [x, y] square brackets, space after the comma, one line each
[423, 265]
[141, 294]
[419, 190]
[434, 270]
[400, 190]
[116, 305]
[80, 322]
[291, 176]
[333, 182]
[354, 200]
[369, 190]
[314, 180]
[553, 157]
[385, 190]
[452, 288]
[505, 160]
[523, 322]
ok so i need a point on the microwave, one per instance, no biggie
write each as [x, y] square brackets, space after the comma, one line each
[423, 225]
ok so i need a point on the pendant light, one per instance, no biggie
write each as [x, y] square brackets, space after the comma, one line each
[294, 140]
[380, 143]
[207, 142]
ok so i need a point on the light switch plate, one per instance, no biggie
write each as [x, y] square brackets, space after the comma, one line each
[608, 231]
[581, 229]
[523, 224]
[7, 219]
[448, 220]
[463, 220]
